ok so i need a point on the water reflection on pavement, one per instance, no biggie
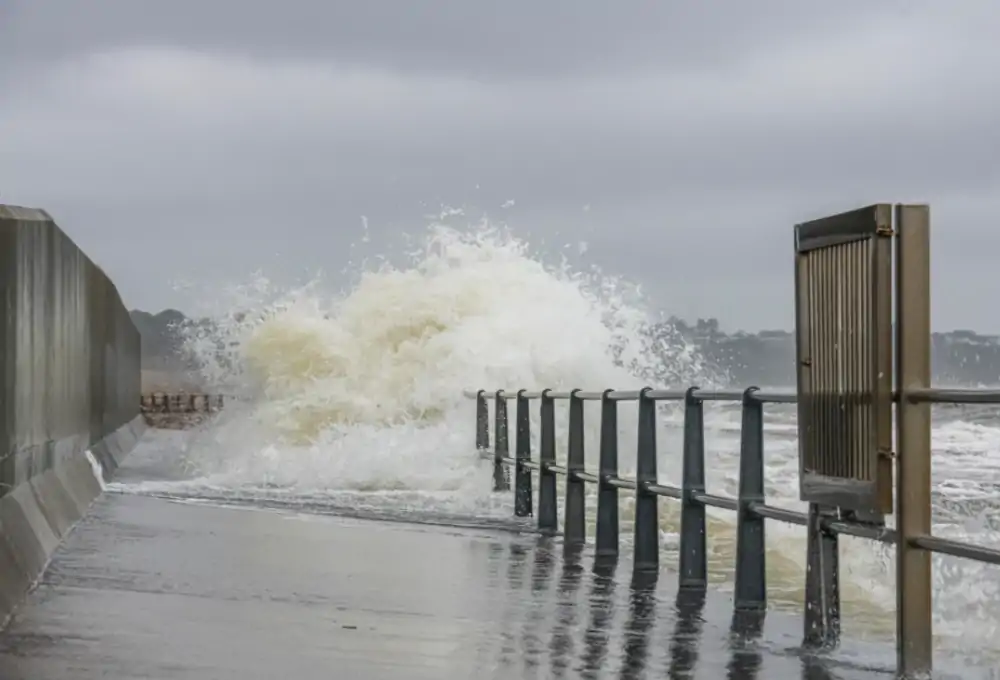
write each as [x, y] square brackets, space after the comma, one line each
[598, 620]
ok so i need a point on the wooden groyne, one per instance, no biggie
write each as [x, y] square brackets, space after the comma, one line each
[178, 411]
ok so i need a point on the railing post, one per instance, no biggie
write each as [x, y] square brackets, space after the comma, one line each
[501, 478]
[548, 517]
[751, 583]
[522, 474]
[822, 601]
[914, 600]
[574, 524]
[647, 530]
[693, 558]
[607, 495]
[482, 423]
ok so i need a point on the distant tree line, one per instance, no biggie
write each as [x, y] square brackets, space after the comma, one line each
[960, 357]
[767, 358]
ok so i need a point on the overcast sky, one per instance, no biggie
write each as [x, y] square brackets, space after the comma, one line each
[201, 140]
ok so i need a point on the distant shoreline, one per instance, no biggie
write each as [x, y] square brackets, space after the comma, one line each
[960, 357]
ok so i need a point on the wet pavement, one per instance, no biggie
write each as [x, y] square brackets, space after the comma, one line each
[181, 589]
[151, 588]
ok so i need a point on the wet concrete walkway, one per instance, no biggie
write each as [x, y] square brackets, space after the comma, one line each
[150, 588]
[154, 588]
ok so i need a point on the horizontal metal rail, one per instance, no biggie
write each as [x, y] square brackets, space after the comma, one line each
[954, 396]
[765, 397]
[933, 395]
[825, 524]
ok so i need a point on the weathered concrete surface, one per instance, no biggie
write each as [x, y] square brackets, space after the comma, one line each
[150, 588]
[69, 370]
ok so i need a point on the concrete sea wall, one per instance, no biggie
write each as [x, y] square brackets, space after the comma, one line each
[69, 410]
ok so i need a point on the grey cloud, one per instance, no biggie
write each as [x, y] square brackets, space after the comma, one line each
[478, 39]
[219, 148]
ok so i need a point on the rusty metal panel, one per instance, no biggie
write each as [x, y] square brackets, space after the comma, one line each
[843, 299]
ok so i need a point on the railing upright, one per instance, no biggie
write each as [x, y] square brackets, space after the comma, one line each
[607, 495]
[914, 578]
[822, 592]
[751, 578]
[522, 474]
[482, 422]
[548, 517]
[647, 530]
[693, 550]
[575, 521]
[501, 449]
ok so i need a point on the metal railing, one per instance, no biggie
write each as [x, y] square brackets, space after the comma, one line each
[823, 524]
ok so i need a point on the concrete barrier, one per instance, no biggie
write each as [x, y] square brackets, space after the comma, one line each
[69, 410]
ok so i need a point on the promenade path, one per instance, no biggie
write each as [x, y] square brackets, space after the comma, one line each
[150, 587]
